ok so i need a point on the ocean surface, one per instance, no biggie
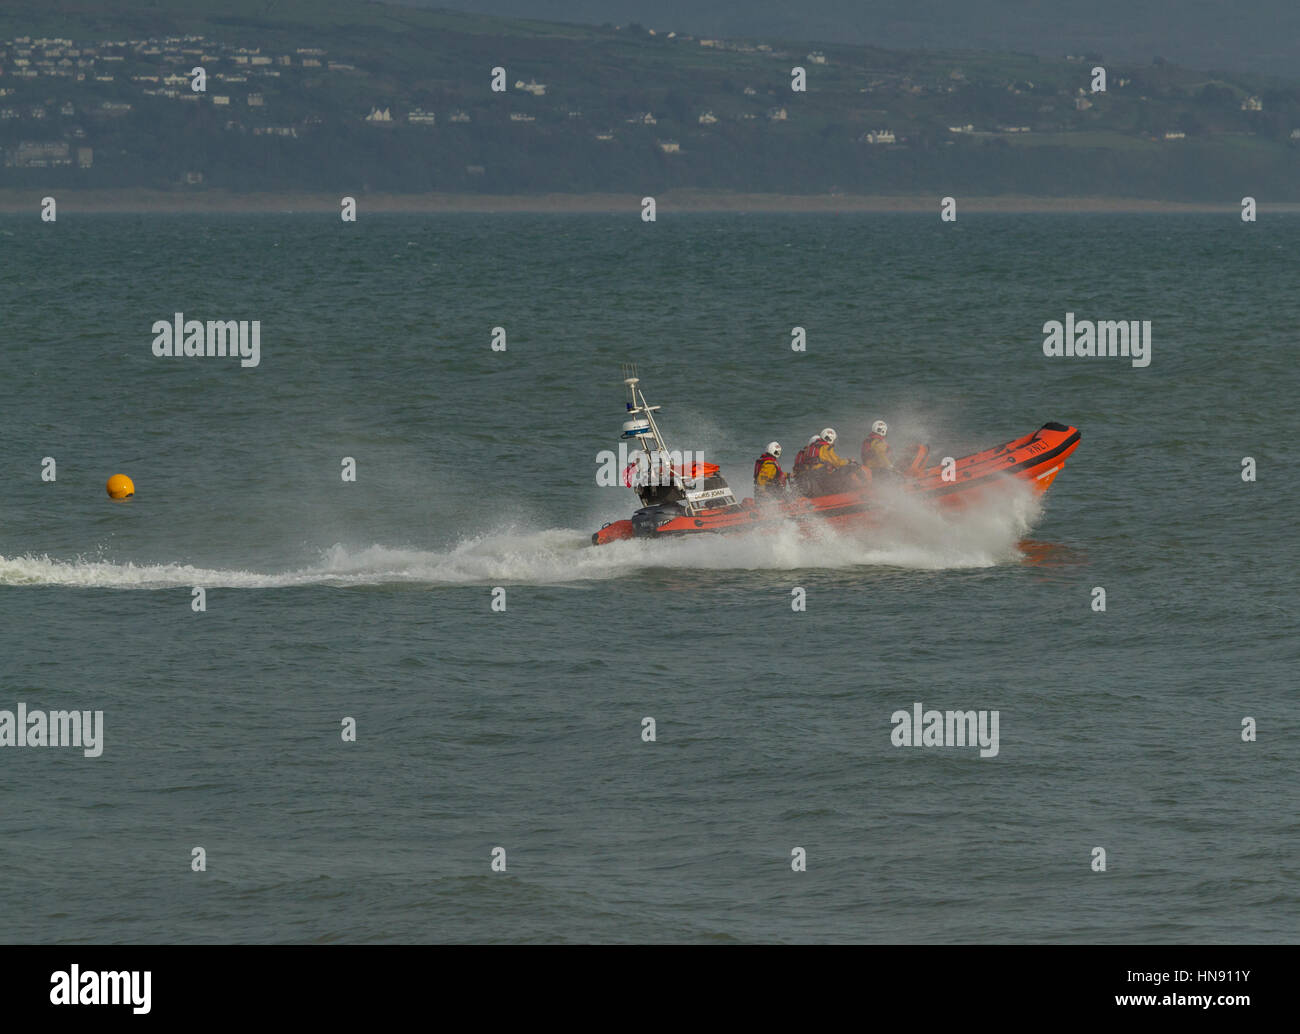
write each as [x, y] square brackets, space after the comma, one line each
[521, 729]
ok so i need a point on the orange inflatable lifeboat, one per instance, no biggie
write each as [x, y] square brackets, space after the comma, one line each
[696, 499]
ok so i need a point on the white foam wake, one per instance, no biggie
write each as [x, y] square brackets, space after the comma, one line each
[913, 534]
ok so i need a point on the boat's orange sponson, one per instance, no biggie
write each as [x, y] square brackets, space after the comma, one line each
[1036, 459]
[613, 532]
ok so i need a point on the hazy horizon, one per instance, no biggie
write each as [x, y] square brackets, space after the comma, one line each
[1260, 36]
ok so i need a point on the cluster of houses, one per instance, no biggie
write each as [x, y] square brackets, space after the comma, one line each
[160, 67]
[142, 61]
[155, 67]
[239, 78]
[48, 154]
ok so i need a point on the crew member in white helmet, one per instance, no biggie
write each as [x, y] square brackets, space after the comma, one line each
[818, 454]
[769, 478]
[875, 450]
[818, 470]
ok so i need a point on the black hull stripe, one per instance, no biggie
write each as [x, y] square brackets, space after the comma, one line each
[1033, 461]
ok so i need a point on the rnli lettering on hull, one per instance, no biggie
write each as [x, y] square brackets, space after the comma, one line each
[986, 473]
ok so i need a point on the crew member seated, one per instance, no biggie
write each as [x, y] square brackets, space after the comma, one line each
[769, 479]
[875, 450]
[818, 470]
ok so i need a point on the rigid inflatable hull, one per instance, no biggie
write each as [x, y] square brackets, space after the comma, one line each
[1035, 459]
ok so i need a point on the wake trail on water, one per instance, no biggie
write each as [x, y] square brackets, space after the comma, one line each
[912, 534]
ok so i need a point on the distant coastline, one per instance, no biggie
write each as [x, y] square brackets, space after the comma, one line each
[136, 200]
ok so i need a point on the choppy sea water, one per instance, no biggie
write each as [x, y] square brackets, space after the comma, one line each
[522, 729]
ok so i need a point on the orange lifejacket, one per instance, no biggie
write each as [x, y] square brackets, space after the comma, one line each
[777, 479]
[810, 456]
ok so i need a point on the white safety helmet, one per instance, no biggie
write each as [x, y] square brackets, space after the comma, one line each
[774, 449]
[880, 428]
[814, 438]
[829, 434]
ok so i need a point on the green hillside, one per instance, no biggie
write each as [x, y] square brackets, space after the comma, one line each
[350, 96]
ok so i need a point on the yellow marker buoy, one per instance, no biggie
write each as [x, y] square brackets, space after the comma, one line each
[120, 487]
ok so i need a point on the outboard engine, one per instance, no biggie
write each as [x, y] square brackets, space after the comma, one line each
[649, 519]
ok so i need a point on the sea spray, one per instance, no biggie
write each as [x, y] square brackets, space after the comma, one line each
[912, 533]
